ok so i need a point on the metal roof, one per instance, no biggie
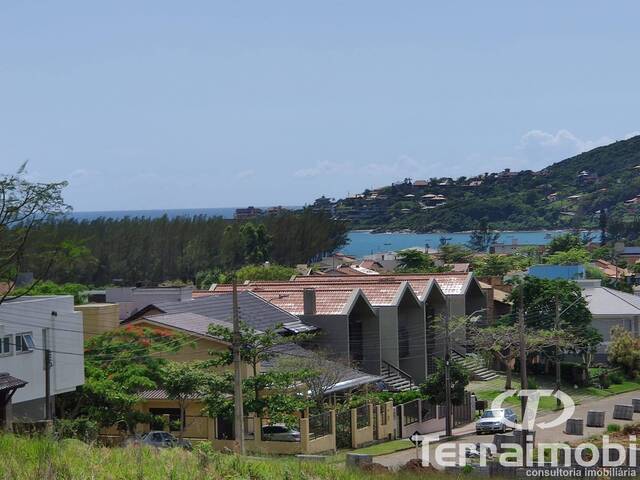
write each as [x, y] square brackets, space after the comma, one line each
[606, 301]
[7, 382]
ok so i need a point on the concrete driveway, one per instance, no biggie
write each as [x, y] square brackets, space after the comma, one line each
[551, 435]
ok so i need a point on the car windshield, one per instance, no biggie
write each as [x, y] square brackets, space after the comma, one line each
[493, 414]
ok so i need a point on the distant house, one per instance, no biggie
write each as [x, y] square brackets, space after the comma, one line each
[611, 270]
[630, 255]
[557, 272]
[420, 183]
[610, 308]
[247, 213]
[552, 197]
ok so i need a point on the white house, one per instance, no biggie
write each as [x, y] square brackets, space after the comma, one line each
[29, 326]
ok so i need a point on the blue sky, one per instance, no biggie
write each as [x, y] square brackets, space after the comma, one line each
[154, 104]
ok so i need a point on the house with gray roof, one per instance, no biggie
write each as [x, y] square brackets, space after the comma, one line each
[610, 308]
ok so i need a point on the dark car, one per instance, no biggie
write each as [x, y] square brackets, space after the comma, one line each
[160, 439]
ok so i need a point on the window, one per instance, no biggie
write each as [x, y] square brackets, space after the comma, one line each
[5, 346]
[24, 343]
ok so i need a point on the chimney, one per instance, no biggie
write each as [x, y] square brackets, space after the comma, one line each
[309, 301]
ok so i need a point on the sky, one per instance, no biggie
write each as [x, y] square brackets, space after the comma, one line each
[196, 104]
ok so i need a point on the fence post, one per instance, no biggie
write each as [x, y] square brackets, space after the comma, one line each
[354, 428]
[401, 422]
[378, 417]
[333, 430]
[257, 430]
[304, 435]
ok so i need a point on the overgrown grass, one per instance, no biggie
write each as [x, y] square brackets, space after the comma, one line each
[46, 459]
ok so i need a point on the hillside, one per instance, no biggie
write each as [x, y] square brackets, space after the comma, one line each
[569, 193]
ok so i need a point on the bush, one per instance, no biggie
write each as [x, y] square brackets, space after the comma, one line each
[533, 384]
[613, 427]
[624, 350]
[80, 428]
[616, 378]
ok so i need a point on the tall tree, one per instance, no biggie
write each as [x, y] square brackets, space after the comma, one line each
[183, 381]
[482, 237]
[24, 205]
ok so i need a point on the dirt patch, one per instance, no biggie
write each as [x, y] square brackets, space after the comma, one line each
[415, 466]
[374, 468]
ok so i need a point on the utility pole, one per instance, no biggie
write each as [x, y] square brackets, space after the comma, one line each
[556, 327]
[447, 372]
[47, 370]
[524, 383]
[237, 365]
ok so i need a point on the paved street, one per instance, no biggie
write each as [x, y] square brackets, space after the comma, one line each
[552, 435]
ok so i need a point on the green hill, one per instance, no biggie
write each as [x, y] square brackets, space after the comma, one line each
[570, 193]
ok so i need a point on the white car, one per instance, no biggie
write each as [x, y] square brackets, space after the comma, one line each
[494, 420]
[280, 433]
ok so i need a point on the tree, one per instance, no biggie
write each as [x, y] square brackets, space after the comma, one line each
[454, 254]
[564, 243]
[411, 260]
[321, 373]
[482, 237]
[433, 389]
[573, 256]
[256, 243]
[269, 390]
[264, 272]
[493, 265]
[47, 287]
[25, 205]
[624, 351]
[119, 365]
[503, 343]
[182, 381]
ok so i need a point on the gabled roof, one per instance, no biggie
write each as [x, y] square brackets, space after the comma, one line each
[606, 301]
[256, 311]
[186, 322]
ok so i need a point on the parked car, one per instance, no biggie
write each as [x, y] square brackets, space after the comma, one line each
[495, 420]
[160, 439]
[280, 433]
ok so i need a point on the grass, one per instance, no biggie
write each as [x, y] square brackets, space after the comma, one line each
[386, 447]
[46, 459]
[490, 390]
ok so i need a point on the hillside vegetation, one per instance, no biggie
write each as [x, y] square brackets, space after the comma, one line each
[570, 193]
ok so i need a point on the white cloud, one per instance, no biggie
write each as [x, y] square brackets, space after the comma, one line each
[324, 168]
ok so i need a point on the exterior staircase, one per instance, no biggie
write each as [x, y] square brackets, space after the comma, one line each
[396, 379]
[474, 364]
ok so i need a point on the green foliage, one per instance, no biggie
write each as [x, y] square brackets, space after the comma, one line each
[151, 251]
[414, 261]
[482, 237]
[182, 381]
[118, 366]
[271, 391]
[624, 351]
[493, 265]
[573, 256]
[263, 272]
[450, 253]
[616, 378]
[78, 291]
[29, 458]
[24, 206]
[563, 243]
[613, 428]
[433, 389]
[81, 428]
[520, 201]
